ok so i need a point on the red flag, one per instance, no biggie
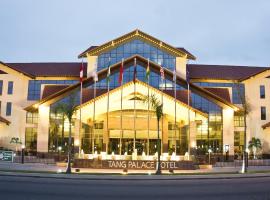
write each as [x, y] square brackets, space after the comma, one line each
[120, 79]
[81, 72]
[162, 73]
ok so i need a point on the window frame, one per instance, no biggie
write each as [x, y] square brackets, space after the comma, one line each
[262, 91]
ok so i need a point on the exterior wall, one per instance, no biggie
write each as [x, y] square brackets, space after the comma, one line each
[43, 128]
[228, 129]
[91, 62]
[254, 122]
[18, 100]
[181, 66]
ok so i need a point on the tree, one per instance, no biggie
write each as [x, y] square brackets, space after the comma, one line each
[68, 108]
[16, 141]
[246, 108]
[157, 106]
[253, 145]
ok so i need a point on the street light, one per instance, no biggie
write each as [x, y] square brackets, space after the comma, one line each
[59, 152]
[209, 155]
[22, 153]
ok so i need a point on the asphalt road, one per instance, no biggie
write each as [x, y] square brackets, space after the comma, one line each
[24, 188]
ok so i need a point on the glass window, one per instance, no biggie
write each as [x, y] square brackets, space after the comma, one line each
[239, 121]
[10, 87]
[31, 118]
[1, 87]
[8, 109]
[31, 139]
[263, 113]
[262, 91]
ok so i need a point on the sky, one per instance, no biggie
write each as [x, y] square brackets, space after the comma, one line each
[231, 32]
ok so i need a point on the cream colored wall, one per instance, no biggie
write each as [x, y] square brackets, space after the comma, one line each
[228, 129]
[181, 66]
[91, 62]
[254, 122]
[19, 101]
[43, 128]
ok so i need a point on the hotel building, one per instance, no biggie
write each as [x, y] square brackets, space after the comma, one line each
[207, 115]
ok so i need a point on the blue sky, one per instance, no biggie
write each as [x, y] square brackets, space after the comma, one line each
[216, 32]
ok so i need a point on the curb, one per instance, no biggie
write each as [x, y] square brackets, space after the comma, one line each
[134, 177]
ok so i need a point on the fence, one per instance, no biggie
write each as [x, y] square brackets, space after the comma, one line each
[238, 163]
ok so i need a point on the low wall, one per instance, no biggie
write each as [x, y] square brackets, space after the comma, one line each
[133, 164]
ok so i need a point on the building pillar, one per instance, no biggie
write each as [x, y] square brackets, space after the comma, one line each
[43, 128]
[165, 135]
[193, 132]
[181, 65]
[105, 136]
[228, 130]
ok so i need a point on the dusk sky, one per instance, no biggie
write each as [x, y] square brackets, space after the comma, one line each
[216, 32]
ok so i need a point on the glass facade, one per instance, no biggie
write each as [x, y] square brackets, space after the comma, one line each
[31, 139]
[235, 89]
[34, 87]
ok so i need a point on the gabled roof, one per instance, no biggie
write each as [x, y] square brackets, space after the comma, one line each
[223, 72]
[51, 89]
[143, 62]
[95, 50]
[103, 93]
[3, 120]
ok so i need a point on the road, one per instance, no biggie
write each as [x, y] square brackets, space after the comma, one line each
[28, 188]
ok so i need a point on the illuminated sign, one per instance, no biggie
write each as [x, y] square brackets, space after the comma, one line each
[132, 164]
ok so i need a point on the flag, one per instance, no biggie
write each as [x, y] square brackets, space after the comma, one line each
[94, 73]
[187, 76]
[109, 71]
[174, 75]
[120, 79]
[81, 72]
[147, 75]
[162, 73]
[135, 70]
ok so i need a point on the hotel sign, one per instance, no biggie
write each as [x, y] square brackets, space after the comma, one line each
[133, 164]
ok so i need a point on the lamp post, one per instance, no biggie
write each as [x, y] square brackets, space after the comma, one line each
[22, 154]
[209, 156]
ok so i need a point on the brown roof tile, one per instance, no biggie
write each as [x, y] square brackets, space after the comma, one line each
[71, 69]
[2, 119]
[266, 125]
[51, 89]
[223, 72]
[221, 92]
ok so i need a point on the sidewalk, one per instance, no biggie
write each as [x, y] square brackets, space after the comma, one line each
[53, 171]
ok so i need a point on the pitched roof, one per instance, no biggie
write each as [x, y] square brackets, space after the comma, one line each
[223, 72]
[51, 89]
[92, 50]
[266, 125]
[63, 69]
[143, 62]
[3, 120]
[221, 92]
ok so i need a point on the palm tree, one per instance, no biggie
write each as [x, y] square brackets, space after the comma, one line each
[254, 144]
[157, 106]
[68, 108]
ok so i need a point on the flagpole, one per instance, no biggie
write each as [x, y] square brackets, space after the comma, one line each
[134, 121]
[162, 90]
[148, 118]
[121, 116]
[108, 100]
[80, 128]
[94, 109]
[174, 77]
[188, 121]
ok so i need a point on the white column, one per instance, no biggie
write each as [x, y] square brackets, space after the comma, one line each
[43, 128]
[228, 129]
